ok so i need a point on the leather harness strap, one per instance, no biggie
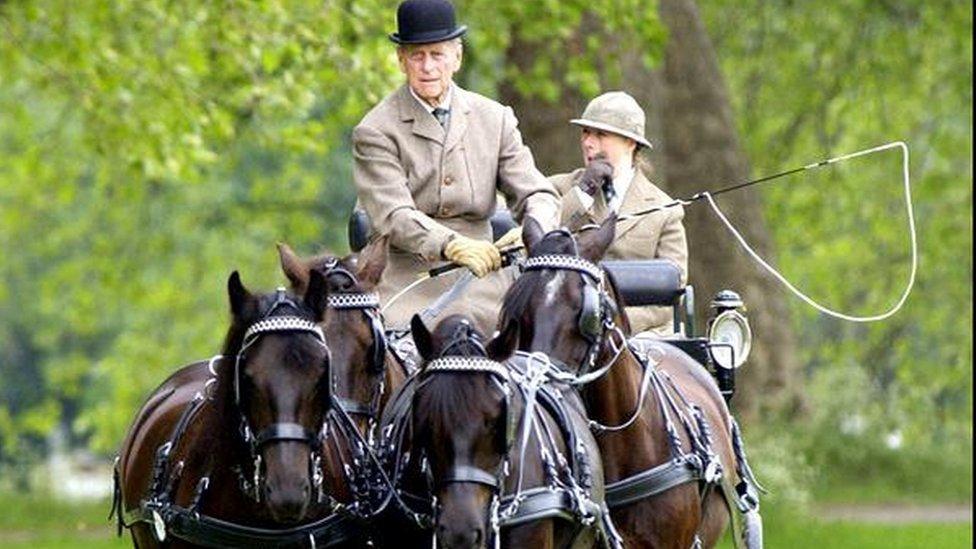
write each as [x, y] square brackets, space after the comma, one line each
[536, 504]
[182, 523]
[468, 473]
[651, 482]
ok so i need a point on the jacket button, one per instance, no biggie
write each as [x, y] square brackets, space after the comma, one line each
[448, 180]
[445, 211]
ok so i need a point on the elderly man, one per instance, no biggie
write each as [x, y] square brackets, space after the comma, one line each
[612, 181]
[429, 160]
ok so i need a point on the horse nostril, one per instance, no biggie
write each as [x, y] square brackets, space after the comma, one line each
[478, 535]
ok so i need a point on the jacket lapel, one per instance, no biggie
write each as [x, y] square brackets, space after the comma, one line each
[639, 197]
[424, 123]
[459, 119]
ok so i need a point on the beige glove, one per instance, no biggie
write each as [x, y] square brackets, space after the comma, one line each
[479, 256]
[511, 238]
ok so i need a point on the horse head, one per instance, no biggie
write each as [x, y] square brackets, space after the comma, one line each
[561, 302]
[352, 322]
[279, 390]
[462, 423]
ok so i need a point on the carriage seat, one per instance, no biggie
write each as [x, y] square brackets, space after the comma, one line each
[360, 227]
[647, 281]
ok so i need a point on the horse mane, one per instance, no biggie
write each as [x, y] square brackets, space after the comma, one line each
[526, 285]
[323, 261]
[457, 396]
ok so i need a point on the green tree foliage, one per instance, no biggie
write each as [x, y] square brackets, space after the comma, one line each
[148, 148]
[811, 81]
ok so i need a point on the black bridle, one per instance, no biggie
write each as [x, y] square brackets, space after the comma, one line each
[566, 481]
[466, 473]
[279, 431]
[465, 353]
[371, 489]
[595, 318]
[369, 305]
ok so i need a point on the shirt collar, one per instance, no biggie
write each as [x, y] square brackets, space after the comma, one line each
[621, 184]
[445, 104]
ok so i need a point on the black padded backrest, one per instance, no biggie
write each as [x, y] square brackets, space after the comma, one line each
[646, 281]
[501, 223]
[360, 227]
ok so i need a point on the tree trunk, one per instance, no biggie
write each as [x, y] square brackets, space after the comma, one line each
[690, 122]
[701, 151]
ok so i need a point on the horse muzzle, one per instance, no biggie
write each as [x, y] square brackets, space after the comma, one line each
[462, 516]
[287, 488]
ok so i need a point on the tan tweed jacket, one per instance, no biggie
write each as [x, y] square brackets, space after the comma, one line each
[658, 235]
[421, 184]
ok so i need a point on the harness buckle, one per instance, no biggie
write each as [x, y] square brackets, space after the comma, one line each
[159, 526]
[713, 471]
[748, 499]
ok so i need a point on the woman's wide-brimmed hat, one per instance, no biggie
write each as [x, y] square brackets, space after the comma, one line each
[426, 22]
[615, 112]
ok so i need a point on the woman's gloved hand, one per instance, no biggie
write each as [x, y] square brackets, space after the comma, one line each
[479, 256]
[598, 172]
[512, 238]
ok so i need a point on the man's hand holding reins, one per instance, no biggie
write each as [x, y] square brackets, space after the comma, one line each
[479, 256]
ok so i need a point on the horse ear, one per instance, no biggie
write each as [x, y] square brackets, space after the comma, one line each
[317, 294]
[532, 233]
[594, 244]
[422, 338]
[294, 269]
[239, 296]
[372, 261]
[503, 345]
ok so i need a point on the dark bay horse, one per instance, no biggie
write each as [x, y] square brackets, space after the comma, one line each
[366, 373]
[565, 308]
[245, 452]
[358, 380]
[482, 438]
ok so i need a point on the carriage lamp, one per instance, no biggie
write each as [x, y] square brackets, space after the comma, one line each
[729, 338]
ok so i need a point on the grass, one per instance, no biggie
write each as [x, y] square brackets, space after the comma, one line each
[40, 523]
[785, 529]
[920, 476]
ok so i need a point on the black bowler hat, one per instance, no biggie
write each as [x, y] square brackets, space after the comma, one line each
[426, 22]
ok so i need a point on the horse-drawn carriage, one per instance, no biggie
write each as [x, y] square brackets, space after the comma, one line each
[312, 428]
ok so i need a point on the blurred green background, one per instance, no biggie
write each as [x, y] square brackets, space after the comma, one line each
[148, 148]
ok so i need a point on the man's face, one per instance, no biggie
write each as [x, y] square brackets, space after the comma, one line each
[430, 68]
[617, 149]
